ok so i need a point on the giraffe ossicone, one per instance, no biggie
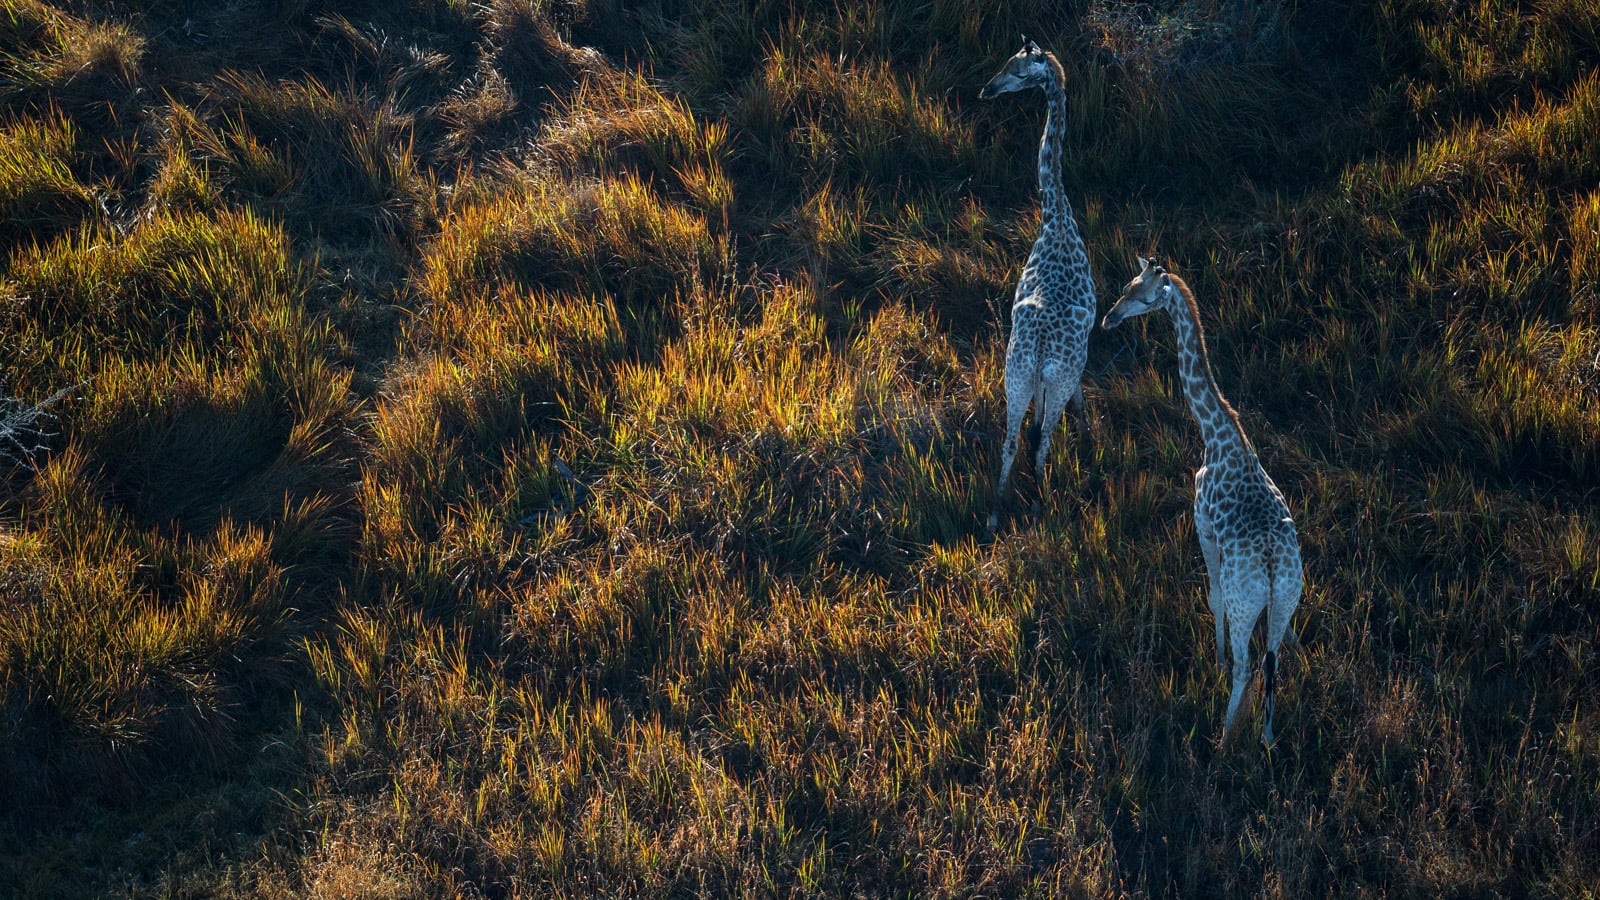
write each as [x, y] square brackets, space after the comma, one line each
[1053, 310]
[1251, 549]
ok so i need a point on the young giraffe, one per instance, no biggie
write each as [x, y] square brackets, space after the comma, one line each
[1054, 308]
[1251, 549]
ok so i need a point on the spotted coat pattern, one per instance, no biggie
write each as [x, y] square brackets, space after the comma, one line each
[1054, 308]
[1246, 533]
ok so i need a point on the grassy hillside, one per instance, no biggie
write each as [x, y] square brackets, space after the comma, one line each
[535, 448]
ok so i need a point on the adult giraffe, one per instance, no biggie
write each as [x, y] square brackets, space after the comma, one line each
[1054, 308]
[1252, 551]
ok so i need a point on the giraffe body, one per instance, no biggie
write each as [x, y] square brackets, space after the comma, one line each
[1246, 533]
[1053, 311]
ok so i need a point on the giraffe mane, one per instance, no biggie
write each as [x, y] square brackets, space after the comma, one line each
[1200, 334]
[1055, 66]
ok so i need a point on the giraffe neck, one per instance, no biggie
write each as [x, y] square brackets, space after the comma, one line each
[1054, 208]
[1219, 424]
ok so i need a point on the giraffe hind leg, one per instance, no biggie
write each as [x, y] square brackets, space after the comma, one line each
[1055, 403]
[1280, 616]
[1239, 636]
[1222, 637]
[1269, 667]
[1018, 396]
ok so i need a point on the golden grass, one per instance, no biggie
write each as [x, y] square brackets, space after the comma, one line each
[38, 190]
[540, 449]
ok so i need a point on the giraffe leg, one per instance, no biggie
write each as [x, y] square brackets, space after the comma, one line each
[1076, 405]
[1036, 434]
[1055, 403]
[1240, 638]
[1213, 554]
[1221, 618]
[1285, 597]
[1269, 669]
[1019, 394]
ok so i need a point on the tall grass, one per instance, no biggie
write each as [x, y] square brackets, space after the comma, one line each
[535, 449]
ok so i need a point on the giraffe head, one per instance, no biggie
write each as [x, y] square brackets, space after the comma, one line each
[1151, 289]
[1031, 67]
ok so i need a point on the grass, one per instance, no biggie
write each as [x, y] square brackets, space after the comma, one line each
[534, 449]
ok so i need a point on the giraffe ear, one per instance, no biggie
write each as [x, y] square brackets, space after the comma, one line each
[1143, 263]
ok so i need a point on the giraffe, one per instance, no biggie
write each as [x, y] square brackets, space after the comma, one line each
[1053, 311]
[1251, 550]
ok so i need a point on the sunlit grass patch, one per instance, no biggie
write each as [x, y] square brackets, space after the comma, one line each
[1538, 388]
[46, 51]
[614, 235]
[621, 122]
[96, 297]
[201, 158]
[115, 651]
[193, 442]
[843, 450]
[456, 453]
[857, 120]
[1456, 178]
[1469, 56]
[207, 388]
[39, 192]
